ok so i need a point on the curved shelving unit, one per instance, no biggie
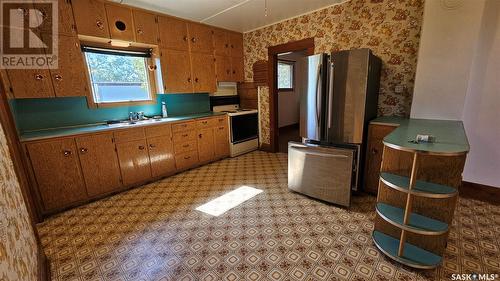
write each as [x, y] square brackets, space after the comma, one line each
[421, 188]
[417, 223]
[413, 256]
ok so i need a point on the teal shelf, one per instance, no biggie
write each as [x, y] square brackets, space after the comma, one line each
[412, 255]
[421, 188]
[417, 223]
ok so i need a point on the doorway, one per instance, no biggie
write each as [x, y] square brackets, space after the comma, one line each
[284, 95]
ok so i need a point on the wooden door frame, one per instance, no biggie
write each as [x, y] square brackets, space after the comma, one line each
[300, 45]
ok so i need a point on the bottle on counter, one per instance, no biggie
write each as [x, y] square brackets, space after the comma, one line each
[164, 112]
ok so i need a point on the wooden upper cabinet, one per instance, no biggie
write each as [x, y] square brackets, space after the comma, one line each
[237, 69]
[146, 27]
[206, 145]
[236, 44]
[99, 163]
[134, 161]
[161, 156]
[221, 42]
[176, 71]
[221, 137]
[57, 172]
[200, 38]
[173, 33]
[90, 18]
[203, 66]
[69, 79]
[120, 21]
[223, 68]
[31, 83]
[65, 18]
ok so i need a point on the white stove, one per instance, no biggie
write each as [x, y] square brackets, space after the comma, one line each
[243, 124]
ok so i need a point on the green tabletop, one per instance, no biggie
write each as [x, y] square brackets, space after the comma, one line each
[450, 137]
[93, 128]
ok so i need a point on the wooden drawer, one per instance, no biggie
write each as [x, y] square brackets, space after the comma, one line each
[221, 121]
[181, 137]
[184, 126]
[184, 146]
[207, 123]
[157, 131]
[186, 160]
[379, 132]
[129, 135]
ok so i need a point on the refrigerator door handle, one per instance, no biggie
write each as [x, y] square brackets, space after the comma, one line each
[330, 94]
[318, 100]
[316, 153]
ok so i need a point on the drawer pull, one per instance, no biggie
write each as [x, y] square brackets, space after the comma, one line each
[186, 145]
[67, 153]
[187, 157]
[185, 38]
[184, 135]
[200, 136]
[204, 122]
[222, 128]
[141, 147]
[193, 40]
[83, 150]
[140, 31]
[99, 24]
[189, 79]
[152, 146]
[196, 79]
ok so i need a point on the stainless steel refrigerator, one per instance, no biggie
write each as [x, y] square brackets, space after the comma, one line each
[339, 96]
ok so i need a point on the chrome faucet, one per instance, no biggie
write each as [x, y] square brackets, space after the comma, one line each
[136, 116]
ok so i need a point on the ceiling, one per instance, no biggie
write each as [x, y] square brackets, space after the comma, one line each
[237, 15]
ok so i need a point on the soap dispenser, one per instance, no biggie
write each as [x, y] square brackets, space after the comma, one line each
[164, 112]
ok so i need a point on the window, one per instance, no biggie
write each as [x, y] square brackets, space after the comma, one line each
[285, 75]
[118, 76]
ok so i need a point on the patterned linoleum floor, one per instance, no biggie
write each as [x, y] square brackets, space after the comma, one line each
[154, 233]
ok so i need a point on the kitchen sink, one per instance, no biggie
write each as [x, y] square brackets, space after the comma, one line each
[127, 123]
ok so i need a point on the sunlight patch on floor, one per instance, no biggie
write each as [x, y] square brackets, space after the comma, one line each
[222, 204]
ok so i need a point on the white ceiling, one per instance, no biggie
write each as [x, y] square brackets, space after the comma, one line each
[237, 15]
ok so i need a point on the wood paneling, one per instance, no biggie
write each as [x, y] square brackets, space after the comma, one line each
[248, 95]
[203, 71]
[237, 69]
[200, 38]
[221, 42]
[236, 44]
[90, 18]
[176, 71]
[223, 68]
[120, 20]
[206, 145]
[260, 74]
[57, 172]
[161, 156]
[173, 33]
[134, 161]
[146, 27]
[99, 163]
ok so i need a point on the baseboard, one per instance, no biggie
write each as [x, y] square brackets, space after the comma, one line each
[43, 266]
[266, 147]
[480, 192]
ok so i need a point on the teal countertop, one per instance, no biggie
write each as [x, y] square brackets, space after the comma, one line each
[98, 127]
[450, 137]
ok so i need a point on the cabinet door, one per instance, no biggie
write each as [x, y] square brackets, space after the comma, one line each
[176, 71]
[134, 161]
[221, 136]
[69, 78]
[203, 66]
[206, 145]
[173, 33]
[223, 68]
[57, 172]
[161, 155]
[90, 18]
[121, 25]
[200, 38]
[31, 83]
[237, 69]
[236, 44]
[221, 43]
[99, 163]
[65, 18]
[146, 27]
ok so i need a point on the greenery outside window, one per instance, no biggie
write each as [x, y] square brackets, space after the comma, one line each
[118, 76]
[285, 75]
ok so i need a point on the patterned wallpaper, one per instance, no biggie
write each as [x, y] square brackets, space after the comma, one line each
[391, 28]
[18, 247]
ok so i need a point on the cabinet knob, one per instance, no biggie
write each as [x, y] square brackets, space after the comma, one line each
[187, 157]
[38, 77]
[189, 79]
[152, 146]
[234, 71]
[152, 67]
[140, 31]
[141, 147]
[227, 45]
[83, 150]
[374, 151]
[196, 80]
[185, 38]
[228, 71]
[186, 145]
[200, 136]
[184, 135]
[221, 128]
[58, 77]
[193, 40]
[204, 122]
[232, 46]
[99, 24]
[67, 153]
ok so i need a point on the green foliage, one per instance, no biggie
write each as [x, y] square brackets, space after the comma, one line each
[116, 68]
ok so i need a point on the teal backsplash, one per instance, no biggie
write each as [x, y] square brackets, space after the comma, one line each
[36, 114]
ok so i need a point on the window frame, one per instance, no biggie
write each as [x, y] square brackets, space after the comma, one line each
[292, 64]
[151, 74]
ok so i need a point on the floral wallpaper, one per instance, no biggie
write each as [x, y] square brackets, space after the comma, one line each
[18, 246]
[264, 117]
[390, 28]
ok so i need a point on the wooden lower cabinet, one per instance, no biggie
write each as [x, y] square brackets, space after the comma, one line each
[186, 160]
[57, 173]
[161, 156]
[99, 163]
[221, 137]
[375, 147]
[206, 145]
[134, 161]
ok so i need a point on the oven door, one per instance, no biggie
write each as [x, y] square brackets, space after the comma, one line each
[244, 127]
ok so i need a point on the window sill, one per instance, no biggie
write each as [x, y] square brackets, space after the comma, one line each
[286, 90]
[124, 103]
